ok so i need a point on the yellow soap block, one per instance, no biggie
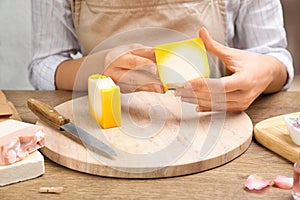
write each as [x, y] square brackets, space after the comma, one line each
[104, 101]
[181, 61]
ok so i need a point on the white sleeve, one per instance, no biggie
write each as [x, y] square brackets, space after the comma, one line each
[53, 40]
[259, 28]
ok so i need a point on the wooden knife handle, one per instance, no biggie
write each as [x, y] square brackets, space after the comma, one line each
[47, 113]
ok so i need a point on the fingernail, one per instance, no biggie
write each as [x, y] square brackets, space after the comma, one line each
[187, 85]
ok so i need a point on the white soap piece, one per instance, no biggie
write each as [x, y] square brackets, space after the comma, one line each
[31, 167]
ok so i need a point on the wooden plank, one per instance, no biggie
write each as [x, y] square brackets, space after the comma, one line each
[7, 109]
[4, 107]
[224, 182]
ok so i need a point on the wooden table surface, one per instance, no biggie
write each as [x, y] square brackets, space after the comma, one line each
[224, 182]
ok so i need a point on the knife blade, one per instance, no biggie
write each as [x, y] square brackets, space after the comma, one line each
[53, 118]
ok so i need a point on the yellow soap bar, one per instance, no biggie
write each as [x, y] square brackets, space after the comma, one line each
[104, 101]
[181, 61]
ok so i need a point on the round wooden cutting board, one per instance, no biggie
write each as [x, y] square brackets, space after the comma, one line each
[160, 136]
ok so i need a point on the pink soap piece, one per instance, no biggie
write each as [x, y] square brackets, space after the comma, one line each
[283, 182]
[255, 182]
[16, 145]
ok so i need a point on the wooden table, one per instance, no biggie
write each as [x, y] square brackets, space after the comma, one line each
[224, 182]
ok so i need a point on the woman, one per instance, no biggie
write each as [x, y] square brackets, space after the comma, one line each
[245, 39]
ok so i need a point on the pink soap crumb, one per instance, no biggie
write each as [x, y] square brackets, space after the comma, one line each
[283, 182]
[255, 182]
[19, 144]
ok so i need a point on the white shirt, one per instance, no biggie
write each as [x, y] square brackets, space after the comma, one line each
[251, 25]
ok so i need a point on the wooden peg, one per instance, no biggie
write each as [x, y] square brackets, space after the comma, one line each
[51, 189]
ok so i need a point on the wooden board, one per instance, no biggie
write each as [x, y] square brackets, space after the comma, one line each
[274, 135]
[14, 115]
[7, 109]
[160, 137]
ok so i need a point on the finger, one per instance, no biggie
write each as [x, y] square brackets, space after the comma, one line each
[201, 99]
[146, 52]
[134, 49]
[158, 88]
[114, 73]
[198, 84]
[209, 106]
[203, 109]
[230, 107]
[206, 85]
[189, 100]
[130, 61]
[118, 52]
[210, 101]
[211, 95]
[206, 105]
[136, 80]
[213, 46]
[127, 88]
[233, 102]
[151, 68]
[205, 100]
[183, 92]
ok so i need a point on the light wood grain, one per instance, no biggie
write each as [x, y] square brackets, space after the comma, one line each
[5, 109]
[224, 182]
[15, 114]
[274, 135]
[175, 140]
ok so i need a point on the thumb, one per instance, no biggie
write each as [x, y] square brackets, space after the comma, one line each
[213, 46]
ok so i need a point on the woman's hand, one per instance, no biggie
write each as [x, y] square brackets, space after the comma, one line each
[133, 68]
[252, 74]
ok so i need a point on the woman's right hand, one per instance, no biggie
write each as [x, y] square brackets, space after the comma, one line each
[133, 68]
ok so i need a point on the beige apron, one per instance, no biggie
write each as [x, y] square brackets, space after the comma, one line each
[105, 24]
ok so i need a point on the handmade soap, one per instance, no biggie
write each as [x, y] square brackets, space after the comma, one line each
[104, 101]
[19, 158]
[30, 167]
[18, 140]
[181, 61]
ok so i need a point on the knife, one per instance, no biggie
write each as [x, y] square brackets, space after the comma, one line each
[52, 117]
